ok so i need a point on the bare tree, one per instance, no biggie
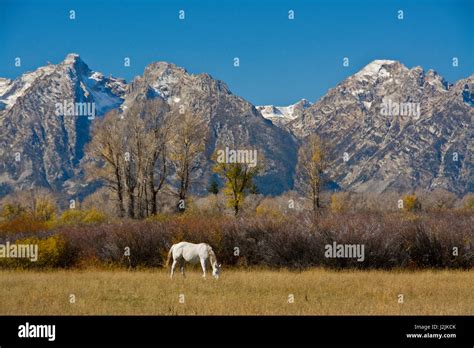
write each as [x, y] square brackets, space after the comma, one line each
[133, 166]
[157, 136]
[187, 149]
[129, 153]
[312, 163]
[106, 150]
[438, 199]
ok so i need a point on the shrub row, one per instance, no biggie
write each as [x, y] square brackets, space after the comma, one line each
[298, 241]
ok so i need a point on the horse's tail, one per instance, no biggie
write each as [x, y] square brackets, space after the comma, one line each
[169, 256]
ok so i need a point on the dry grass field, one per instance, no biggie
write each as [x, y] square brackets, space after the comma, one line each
[237, 292]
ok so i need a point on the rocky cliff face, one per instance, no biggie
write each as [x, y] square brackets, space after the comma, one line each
[39, 148]
[232, 121]
[389, 127]
[394, 128]
[42, 143]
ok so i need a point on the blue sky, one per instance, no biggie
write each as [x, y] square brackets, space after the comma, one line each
[281, 60]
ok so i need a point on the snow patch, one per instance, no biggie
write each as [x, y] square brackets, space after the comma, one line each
[84, 89]
[162, 85]
[375, 69]
[10, 91]
[97, 76]
[283, 112]
[104, 99]
[71, 58]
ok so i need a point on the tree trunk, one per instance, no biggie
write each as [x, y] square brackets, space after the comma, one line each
[151, 189]
[118, 178]
[131, 205]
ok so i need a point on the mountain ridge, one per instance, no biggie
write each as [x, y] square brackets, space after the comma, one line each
[52, 147]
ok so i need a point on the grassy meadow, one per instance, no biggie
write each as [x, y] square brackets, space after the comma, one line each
[116, 267]
[316, 291]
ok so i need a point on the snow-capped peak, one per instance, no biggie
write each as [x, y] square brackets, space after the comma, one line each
[284, 113]
[378, 68]
[71, 58]
[105, 92]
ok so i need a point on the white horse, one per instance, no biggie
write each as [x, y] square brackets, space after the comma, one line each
[193, 253]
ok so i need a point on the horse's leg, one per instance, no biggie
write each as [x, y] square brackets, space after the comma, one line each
[173, 266]
[203, 265]
[183, 262]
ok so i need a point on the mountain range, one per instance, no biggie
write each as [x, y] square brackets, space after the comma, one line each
[387, 127]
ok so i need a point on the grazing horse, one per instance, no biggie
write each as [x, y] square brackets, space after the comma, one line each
[193, 253]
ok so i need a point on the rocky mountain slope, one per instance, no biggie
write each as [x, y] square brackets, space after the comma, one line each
[425, 143]
[232, 121]
[39, 146]
[388, 127]
[51, 146]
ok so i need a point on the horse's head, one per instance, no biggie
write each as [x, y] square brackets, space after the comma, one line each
[216, 270]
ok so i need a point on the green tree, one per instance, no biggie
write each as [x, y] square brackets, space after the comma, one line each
[238, 179]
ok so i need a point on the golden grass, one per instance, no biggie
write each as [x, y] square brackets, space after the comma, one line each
[237, 292]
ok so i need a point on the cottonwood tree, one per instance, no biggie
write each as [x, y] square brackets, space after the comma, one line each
[312, 162]
[106, 154]
[438, 199]
[238, 180]
[133, 160]
[129, 153]
[186, 153]
[147, 136]
[159, 127]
